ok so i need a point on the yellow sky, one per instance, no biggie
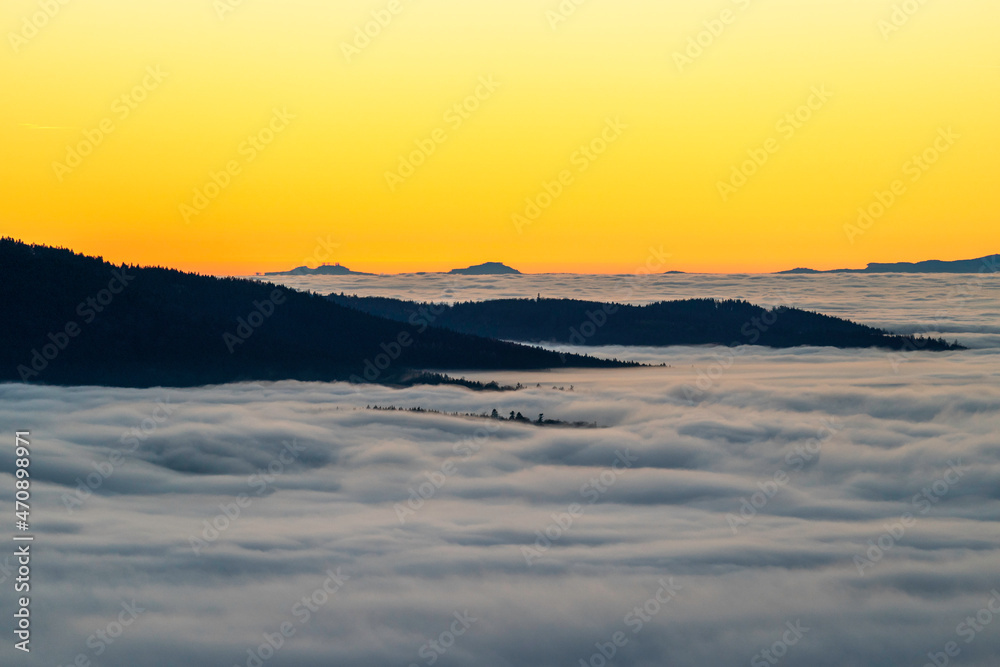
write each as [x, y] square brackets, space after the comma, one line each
[666, 121]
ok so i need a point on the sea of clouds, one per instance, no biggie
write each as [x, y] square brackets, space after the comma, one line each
[738, 506]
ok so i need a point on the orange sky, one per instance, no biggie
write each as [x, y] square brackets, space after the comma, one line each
[736, 135]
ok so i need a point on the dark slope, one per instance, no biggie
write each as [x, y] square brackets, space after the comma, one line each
[167, 328]
[691, 322]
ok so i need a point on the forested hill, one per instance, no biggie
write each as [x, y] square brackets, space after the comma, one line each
[72, 319]
[690, 322]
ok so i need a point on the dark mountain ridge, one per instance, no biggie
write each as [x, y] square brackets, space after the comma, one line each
[80, 320]
[689, 322]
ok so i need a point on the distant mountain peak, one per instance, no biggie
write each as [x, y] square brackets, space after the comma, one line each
[486, 269]
[324, 270]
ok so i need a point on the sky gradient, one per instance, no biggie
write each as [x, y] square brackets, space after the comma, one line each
[264, 135]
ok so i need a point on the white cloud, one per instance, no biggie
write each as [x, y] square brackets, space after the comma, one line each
[697, 461]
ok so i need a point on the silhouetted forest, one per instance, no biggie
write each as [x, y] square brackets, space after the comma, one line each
[72, 319]
[495, 415]
[689, 322]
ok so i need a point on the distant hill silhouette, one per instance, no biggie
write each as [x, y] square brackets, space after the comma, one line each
[325, 270]
[487, 269]
[690, 322]
[988, 264]
[79, 320]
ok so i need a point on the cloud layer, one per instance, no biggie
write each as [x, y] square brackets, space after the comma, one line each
[847, 495]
